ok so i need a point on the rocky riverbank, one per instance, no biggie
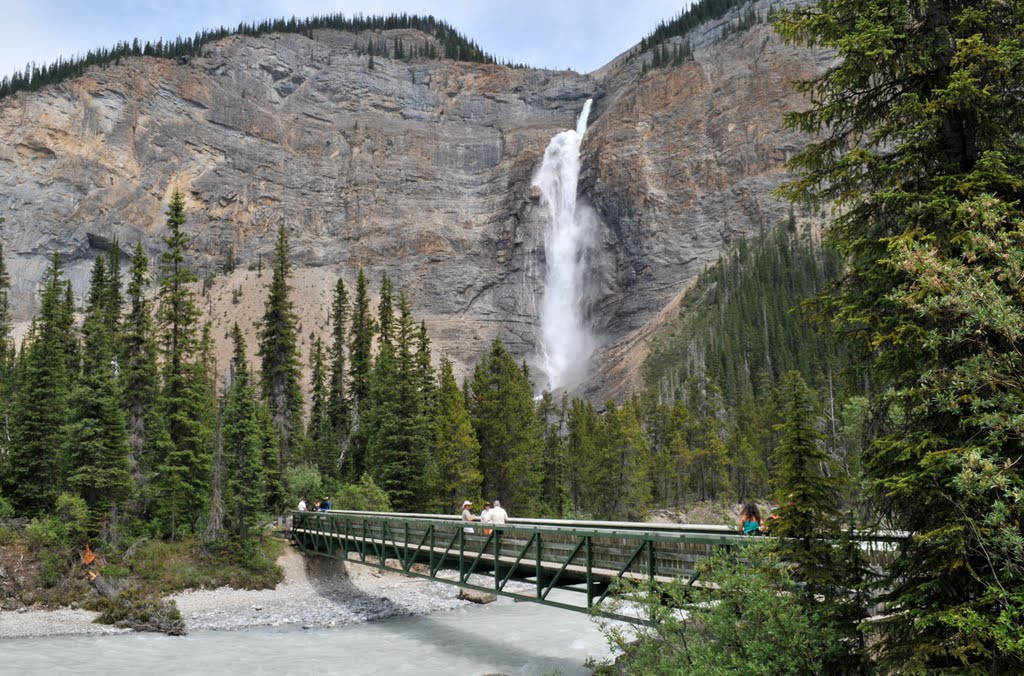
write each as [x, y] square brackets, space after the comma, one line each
[315, 592]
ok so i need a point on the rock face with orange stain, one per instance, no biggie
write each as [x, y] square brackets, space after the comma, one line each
[420, 168]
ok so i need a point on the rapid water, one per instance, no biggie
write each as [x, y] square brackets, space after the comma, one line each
[566, 344]
[500, 638]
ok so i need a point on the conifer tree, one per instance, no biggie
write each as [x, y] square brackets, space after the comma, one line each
[508, 430]
[386, 310]
[453, 471]
[279, 371]
[33, 472]
[319, 432]
[139, 372]
[553, 488]
[7, 358]
[96, 439]
[583, 425]
[242, 447]
[360, 365]
[398, 430]
[923, 156]
[337, 401]
[183, 468]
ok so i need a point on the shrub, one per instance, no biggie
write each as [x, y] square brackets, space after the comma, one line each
[752, 621]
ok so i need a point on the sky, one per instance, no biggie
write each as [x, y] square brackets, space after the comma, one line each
[579, 34]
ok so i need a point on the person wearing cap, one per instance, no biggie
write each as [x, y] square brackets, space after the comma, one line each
[467, 516]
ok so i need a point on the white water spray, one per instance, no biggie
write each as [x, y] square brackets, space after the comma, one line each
[566, 344]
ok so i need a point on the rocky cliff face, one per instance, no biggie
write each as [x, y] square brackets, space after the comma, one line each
[422, 169]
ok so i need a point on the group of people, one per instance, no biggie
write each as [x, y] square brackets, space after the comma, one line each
[318, 505]
[494, 515]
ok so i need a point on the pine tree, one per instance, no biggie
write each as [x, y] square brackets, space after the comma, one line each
[922, 156]
[583, 425]
[453, 471]
[33, 471]
[279, 370]
[7, 358]
[337, 403]
[242, 447]
[139, 372]
[360, 365]
[319, 432]
[398, 430]
[508, 430]
[96, 438]
[183, 466]
[553, 489]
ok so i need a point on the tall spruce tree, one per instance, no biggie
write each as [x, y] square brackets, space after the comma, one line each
[338, 410]
[96, 437]
[553, 488]
[182, 473]
[34, 473]
[279, 353]
[509, 431]
[399, 430]
[923, 154]
[7, 357]
[360, 366]
[242, 448]
[453, 470]
[319, 431]
[139, 371]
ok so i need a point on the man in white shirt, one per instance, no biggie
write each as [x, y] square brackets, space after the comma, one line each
[498, 515]
[302, 504]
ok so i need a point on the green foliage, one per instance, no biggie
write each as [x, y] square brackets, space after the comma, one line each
[365, 495]
[338, 410]
[746, 619]
[134, 610]
[162, 567]
[922, 155]
[303, 481]
[57, 537]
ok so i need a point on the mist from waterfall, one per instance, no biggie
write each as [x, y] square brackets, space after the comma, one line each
[566, 344]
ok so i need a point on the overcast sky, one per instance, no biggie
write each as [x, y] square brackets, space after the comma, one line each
[544, 33]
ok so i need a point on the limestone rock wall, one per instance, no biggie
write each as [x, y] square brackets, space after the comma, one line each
[422, 169]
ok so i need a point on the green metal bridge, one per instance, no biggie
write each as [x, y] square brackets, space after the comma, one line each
[579, 556]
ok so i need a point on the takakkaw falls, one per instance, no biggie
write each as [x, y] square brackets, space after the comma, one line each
[566, 343]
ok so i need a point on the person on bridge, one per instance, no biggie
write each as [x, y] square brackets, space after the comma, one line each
[325, 504]
[302, 504]
[467, 516]
[750, 520]
[498, 515]
[485, 517]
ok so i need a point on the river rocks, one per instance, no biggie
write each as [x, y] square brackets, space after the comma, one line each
[421, 169]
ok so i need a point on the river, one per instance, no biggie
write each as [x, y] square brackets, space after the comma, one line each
[499, 638]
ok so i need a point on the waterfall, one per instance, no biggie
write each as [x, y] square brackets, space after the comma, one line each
[566, 344]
